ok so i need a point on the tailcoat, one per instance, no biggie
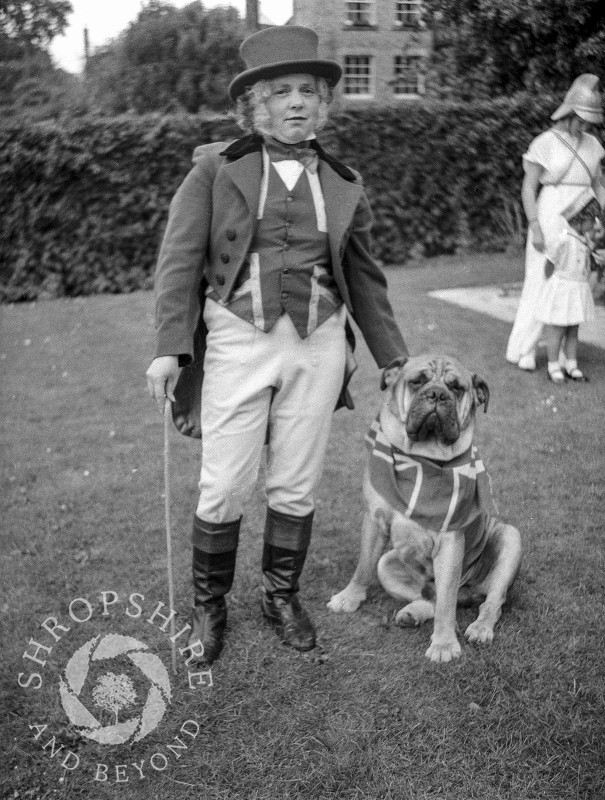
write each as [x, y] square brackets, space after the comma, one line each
[210, 229]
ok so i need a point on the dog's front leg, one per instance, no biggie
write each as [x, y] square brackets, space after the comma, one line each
[505, 545]
[447, 566]
[374, 533]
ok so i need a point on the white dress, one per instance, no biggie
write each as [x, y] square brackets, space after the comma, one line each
[563, 179]
[565, 298]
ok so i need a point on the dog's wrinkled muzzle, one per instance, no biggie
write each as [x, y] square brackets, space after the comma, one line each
[432, 415]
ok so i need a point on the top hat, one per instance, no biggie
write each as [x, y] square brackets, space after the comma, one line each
[583, 98]
[282, 50]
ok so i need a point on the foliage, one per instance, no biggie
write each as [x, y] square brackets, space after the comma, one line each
[441, 176]
[89, 199]
[16, 70]
[90, 195]
[28, 79]
[489, 47]
[168, 59]
[36, 91]
[34, 23]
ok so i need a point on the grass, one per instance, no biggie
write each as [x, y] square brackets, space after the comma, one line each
[365, 715]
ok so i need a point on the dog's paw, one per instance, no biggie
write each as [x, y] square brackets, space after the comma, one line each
[404, 619]
[443, 651]
[347, 601]
[415, 613]
[479, 632]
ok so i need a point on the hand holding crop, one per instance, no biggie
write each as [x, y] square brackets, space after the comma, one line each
[162, 376]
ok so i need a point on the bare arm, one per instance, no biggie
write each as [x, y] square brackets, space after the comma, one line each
[529, 198]
[598, 185]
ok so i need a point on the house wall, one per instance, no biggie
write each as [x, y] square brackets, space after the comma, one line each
[382, 41]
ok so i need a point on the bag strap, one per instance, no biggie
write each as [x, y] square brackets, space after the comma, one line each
[576, 154]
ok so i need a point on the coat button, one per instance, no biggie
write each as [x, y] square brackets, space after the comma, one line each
[225, 258]
[220, 279]
[231, 235]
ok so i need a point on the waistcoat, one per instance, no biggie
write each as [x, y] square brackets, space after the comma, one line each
[288, 268]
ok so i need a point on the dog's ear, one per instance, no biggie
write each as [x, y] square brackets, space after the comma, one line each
[390, 372]
[481, 391]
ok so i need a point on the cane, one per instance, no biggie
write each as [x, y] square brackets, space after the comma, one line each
[167, 424]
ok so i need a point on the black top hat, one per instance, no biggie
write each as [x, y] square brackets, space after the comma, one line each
[282, 50]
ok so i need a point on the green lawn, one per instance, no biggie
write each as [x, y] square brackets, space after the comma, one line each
[365, 715]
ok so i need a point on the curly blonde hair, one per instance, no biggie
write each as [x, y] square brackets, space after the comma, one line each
[253, 114]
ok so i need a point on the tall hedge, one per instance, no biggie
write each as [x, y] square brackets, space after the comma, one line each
[441, 175]
[83, 204]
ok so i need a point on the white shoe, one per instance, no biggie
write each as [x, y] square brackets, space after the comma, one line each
[527, 362]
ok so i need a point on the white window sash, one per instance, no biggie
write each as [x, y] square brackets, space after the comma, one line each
[358, 75]
[407, 12]
[360, 12]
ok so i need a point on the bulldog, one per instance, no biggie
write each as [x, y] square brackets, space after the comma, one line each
[430, 533]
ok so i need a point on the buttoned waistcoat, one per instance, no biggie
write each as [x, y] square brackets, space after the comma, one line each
[210, 228]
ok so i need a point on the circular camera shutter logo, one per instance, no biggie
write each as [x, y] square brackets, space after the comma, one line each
[114, 691]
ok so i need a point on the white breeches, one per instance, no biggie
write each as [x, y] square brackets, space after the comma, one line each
[254, 383]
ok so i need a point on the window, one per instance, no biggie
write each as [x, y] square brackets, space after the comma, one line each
[407, 75]
[407, 13]
[360, 12]
[357, 75]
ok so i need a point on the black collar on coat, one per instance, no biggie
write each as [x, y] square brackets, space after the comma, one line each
[253, 143]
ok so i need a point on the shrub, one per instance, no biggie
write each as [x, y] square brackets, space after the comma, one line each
[441, 175]
[89, 200]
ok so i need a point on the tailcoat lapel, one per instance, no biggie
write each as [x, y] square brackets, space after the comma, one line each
[246, 174]
[341, 198]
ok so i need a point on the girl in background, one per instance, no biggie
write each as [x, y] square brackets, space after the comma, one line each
[565, 300]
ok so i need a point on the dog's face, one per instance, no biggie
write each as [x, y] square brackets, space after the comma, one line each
[433, 398]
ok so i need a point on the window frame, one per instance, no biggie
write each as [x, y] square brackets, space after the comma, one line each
[348, 76]
[414, 17]
[370, 10]
[399, 76]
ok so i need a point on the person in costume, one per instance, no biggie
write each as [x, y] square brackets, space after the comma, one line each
[566, 297]
[560, 164]
[265, 255]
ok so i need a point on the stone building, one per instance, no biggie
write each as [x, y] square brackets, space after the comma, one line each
[382, 45]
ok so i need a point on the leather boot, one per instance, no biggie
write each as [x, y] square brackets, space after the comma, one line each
[285, 549]
[214, 549]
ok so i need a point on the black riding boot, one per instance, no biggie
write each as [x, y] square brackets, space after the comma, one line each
[285, 549]
[214, 548]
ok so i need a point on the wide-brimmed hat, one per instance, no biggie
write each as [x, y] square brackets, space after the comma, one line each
[282, 50]
[583, 98]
